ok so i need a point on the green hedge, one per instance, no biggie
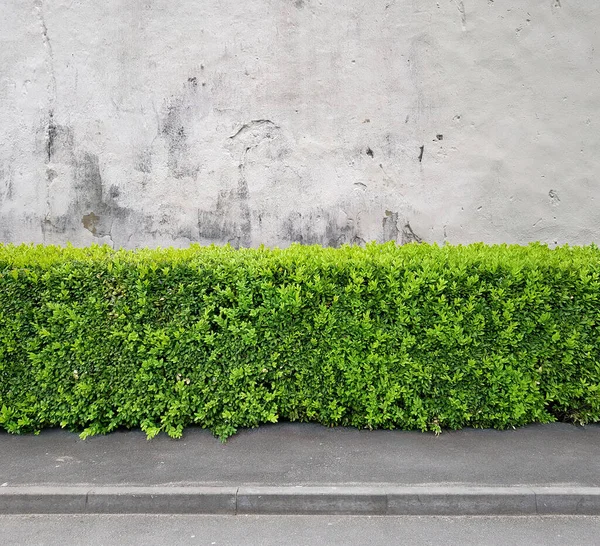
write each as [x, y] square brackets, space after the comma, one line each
[414, 337]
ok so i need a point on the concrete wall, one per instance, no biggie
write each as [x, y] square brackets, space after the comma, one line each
[160, 122]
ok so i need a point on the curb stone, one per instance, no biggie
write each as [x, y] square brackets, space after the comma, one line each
[303, 500]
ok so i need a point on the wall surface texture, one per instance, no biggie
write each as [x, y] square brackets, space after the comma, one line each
[161, 122]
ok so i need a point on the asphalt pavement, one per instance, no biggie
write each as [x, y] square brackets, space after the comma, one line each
[306, 469]
[95, 530]
[307, 454]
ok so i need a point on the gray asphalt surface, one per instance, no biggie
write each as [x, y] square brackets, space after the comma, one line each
[304, 454]
[297, 530]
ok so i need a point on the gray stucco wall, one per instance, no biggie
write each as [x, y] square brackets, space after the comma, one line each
[160, 122]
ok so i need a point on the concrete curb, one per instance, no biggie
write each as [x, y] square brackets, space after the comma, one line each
[303, 500]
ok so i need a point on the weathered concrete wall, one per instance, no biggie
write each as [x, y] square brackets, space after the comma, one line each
[160, 122]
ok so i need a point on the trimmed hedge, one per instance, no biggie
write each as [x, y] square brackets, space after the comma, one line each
[413, 337]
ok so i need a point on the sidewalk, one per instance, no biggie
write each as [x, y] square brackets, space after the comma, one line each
[306, 469]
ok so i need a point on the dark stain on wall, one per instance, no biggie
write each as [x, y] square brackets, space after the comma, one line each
[114, 192]
[319, 226]
[90, 221]
[230, 221]
[50, 136]
[58, 141]
[6, 183]
[174, 133]
[97, 208]
[391, 231]
[144, 162]
[92, 205]
[175, 126]
[390, 226]
[57, 148]
[87, 180]
[217, 227]
[246, 139]
[409, 236]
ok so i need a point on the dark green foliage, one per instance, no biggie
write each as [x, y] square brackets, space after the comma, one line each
[414, 337]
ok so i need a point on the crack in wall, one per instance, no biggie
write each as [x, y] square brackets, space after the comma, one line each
[51, 128]
[460, 5]
[39, 8]
[110, 235]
